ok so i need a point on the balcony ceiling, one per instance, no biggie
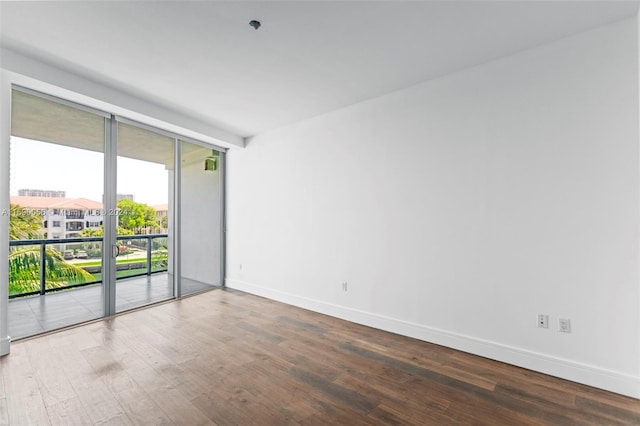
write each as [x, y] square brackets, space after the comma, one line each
[308, 58]
[43, 120]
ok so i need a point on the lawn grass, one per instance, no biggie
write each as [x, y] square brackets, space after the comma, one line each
[99, 262]
[123, 273]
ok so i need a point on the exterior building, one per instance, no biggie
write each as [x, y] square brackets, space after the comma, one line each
[162, 216]
[41, 193]
[63, 217]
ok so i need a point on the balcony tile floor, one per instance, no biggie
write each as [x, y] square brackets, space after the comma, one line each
[37, 314]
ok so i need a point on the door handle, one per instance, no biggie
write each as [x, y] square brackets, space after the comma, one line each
[114, 251]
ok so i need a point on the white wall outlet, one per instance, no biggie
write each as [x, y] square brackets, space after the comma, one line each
[241, 266]
[564, 325]
[344, 286]
[543, 321]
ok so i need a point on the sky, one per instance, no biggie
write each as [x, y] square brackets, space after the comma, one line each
[42, 165]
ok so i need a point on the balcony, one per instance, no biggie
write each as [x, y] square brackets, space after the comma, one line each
[74, 227]
[53, 284]
[138, 255]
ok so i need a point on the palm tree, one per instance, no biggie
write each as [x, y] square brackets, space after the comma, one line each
[24, 224]
[24, 262]
[24, 270]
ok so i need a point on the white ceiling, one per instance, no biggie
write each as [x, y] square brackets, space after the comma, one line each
[308, 58]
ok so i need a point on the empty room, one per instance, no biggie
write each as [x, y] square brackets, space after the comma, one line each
[320, 212]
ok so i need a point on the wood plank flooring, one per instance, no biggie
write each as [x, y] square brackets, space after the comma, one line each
[229, 358]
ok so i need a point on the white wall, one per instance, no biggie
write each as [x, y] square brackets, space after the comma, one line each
[460, 208]
[200, 216]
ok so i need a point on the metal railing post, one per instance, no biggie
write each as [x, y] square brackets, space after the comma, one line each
[43, 268]
[149, 239]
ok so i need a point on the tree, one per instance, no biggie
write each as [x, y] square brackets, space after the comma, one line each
[24, 224]
[136, 216]
[164, 222]
[24, 261]
[24, 270]
[99, 232]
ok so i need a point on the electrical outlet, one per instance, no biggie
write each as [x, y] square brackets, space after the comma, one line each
[564, 325]
[241, 266]
[543, 321]
[344, 286]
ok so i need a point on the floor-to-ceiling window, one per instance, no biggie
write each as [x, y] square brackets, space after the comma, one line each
[145, 162]
[56, 185]
[107, 214]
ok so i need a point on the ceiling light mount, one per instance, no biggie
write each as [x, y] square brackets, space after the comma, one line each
[255, 24]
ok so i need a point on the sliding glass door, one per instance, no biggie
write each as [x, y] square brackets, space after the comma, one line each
[106, 214]
[145, 163]
[56, 217]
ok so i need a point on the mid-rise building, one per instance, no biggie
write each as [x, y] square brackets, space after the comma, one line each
[63, 217]
[41, 193]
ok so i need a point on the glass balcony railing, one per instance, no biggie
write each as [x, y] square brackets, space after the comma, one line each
[49, 265]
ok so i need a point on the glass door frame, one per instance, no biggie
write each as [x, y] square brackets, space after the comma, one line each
[109, 202]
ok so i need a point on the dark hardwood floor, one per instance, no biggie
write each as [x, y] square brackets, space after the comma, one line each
[227, 358]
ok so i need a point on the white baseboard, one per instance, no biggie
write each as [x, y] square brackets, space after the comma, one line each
[590, 375]
[5, 346]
